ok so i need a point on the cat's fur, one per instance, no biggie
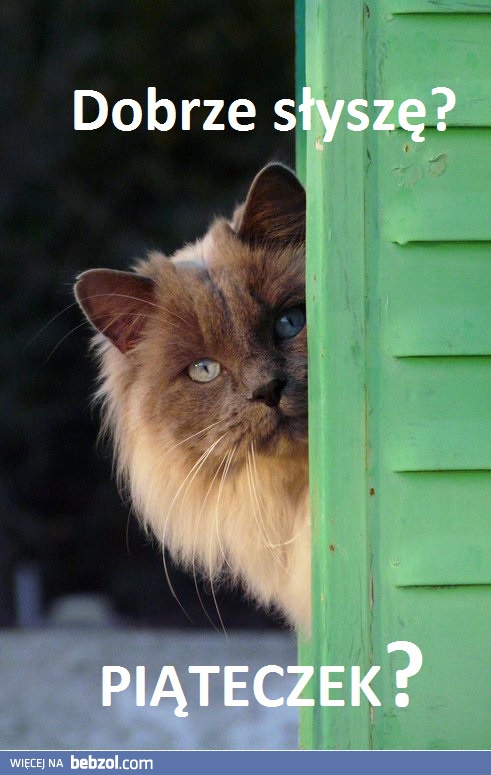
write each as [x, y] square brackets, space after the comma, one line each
[221, 479]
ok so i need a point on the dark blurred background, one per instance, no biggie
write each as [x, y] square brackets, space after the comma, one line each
[74, 200]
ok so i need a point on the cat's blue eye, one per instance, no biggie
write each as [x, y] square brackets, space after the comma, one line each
[204, 370]
[289, 323]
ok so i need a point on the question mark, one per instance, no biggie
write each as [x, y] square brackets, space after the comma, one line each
[449, 105]
[415, 662]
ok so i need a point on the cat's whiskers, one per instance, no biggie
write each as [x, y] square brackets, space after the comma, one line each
[279, 544]
[193, 559]
[84, 322]
[256, 509]
[140, 301]
[200, 513]
[254, 502]
[158, 462]
[191, 475]
[255, 478]
[52, 320]
[225, 471]
[170, 312]
[168, 451]
[296, 535]
[60, 341]
[229, 457]
[188, 438]
[126, 314]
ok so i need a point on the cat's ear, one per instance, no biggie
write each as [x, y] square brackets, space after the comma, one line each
[116, 303]
[274, 211]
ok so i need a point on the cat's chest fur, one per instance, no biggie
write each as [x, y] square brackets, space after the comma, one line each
[249, 524]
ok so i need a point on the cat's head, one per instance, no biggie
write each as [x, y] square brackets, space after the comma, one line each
[211, 342]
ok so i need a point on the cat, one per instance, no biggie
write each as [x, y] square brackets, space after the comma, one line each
[203, 381]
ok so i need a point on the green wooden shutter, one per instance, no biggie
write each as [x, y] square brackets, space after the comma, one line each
[399, 304]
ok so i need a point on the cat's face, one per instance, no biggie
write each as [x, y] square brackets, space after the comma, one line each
[215, 337]
[227, 348]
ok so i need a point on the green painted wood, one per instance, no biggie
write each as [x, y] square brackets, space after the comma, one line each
[305, 656]
[440, 535]
[428, 388]
[426, 285]
[399, 307]
[424, 51]
[437, 190]
[439, 7]
[335, 299]
[446, 422]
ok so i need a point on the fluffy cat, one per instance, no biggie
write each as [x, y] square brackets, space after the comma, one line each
[203, 378]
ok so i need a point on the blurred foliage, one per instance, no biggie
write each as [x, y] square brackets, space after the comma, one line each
[71, 200]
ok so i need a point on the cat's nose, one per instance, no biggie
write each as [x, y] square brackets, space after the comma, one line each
[269, 392]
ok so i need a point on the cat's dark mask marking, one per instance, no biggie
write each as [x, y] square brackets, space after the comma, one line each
[117, 303]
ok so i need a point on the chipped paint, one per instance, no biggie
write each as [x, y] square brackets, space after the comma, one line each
[438, 165]
[408, 175]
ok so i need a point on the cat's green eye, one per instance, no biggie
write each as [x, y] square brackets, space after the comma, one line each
[289, 323]
[204, 370]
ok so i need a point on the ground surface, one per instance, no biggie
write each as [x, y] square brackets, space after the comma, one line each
[50, 685]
